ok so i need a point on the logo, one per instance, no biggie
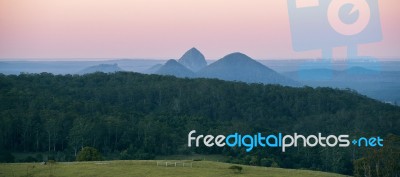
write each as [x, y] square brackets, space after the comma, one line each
[326, 24]
[279, 141]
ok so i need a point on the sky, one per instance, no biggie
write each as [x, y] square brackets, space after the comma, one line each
[164, 29]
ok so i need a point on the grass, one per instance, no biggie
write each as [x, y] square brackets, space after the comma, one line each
[147, 168]
[217, 158]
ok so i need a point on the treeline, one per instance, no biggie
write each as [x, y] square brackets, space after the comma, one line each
[142, 116]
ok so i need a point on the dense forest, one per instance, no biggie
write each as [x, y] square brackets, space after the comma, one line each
[141, 116]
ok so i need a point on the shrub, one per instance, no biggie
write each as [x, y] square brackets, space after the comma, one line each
[89, 154]
[236, 169]
[124, 155]
[275, 165]
[266, 162]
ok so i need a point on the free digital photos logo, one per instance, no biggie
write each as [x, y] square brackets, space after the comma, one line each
[280, 140]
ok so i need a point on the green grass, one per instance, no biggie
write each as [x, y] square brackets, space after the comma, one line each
[148, 168]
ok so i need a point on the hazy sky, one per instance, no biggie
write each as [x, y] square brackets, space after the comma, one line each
[164, 29]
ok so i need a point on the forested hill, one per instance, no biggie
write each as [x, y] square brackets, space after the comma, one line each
[140, 116]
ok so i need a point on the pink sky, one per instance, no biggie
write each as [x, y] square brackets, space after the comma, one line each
[163, 29]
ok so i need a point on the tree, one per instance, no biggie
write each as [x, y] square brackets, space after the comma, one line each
[380, 162]
[89, 154]
[76, 134]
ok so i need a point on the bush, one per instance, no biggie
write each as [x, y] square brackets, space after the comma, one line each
[124, 155]
[275, 165]
[89, 154]
[236, 169]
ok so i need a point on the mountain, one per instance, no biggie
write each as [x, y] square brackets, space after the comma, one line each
[153, 69]
[193, 59]
[357, 70]
[240, 67]
[173, 68]
[349, 76]
[105, 68]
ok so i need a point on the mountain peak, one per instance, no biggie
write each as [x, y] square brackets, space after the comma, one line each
[171, 62]
[172, 67]
[240, 67]
[236, 56]
[193, 59]
[193, 49]
[239, 60]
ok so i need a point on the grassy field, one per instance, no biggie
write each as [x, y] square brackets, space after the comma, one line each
[147, 169]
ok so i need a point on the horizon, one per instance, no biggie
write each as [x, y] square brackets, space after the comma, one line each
[396, 59]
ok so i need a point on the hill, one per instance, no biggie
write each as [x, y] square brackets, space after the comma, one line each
[148, 169]
[173, 68]
[193, 59]
[105, 68]
[153, 69]
[138, 116]
[240, 67]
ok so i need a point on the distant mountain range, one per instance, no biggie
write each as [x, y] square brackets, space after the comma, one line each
[350, 75]
[105, 68]
[381, 85]
[232, 67]
[378, 80]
